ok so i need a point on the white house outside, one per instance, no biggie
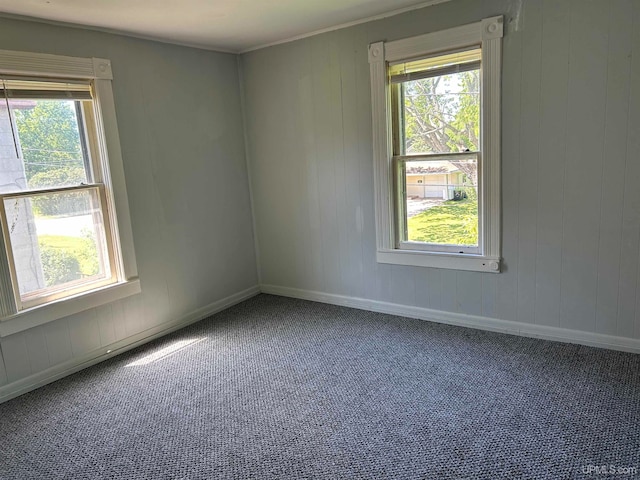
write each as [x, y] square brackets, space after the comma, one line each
[437, 182]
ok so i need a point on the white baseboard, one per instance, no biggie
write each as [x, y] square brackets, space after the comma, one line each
[74, 365]
[474, 321]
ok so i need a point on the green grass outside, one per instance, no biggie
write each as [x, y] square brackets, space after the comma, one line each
[450, 223]
[81, 248]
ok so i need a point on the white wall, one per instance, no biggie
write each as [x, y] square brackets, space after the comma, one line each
[571, 167]
[182, 142]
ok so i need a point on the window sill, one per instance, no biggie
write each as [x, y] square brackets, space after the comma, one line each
[33, 317]
[475, 263]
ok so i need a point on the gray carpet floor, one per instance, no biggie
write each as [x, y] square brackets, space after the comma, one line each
[283, 388]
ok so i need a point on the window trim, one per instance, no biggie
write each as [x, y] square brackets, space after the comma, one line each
[487, 33]
[97, 70]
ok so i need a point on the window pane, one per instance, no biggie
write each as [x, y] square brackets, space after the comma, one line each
[42, 144]
[441, 114]
[442, 202]
[58, 240]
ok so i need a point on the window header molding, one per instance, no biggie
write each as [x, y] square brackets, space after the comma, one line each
[27, 63]
[446, 40]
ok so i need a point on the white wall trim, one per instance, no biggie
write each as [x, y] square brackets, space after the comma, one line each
[463, 320]
[24, 385]
[27, 384]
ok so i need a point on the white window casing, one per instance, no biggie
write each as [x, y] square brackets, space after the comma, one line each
[14, 317]
[488, 35]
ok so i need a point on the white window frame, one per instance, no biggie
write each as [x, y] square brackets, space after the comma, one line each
[13, 319]
[488, 35]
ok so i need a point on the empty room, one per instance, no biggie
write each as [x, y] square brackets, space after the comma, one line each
[356, 239]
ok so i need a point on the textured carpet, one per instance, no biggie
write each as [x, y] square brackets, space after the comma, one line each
[282, 388]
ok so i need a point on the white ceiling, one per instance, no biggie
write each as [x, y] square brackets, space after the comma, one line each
[227, 25]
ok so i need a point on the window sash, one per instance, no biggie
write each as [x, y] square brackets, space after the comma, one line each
[87, 131]
[50, 294]
[40, 191]
[399, 165]
[399, 158]
[397, 95]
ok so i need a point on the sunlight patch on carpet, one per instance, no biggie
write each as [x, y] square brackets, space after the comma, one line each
[165, 352]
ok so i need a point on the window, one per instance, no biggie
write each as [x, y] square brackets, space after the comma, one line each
[65, 230]
[436, 118]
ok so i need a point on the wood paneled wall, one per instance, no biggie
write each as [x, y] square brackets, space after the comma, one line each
[571, 166]
[181, 132]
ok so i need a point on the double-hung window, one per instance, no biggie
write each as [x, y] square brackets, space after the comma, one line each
[436, 119]
[64, 248]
